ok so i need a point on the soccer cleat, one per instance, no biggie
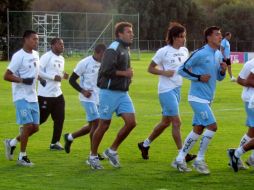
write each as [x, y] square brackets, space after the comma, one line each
[250, 162]
[113, 158]
[100, 157]
[233, 79]
[25, 162]
[190, 157]
[56, 146]
[181, 166]
[9, 150]
[94, 163]
[233, 160]
[201, 167]
[67, 143]
[144, 150]
[240, 165]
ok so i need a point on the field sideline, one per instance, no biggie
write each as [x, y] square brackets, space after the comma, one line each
[58, 170]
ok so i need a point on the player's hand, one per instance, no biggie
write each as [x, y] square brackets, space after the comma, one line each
[223, 66]
[205, 78]
[129, 73]
[57, 78]
[168, 73]
[86, 93]
[28, 81]
[43, 82]
[65, 75]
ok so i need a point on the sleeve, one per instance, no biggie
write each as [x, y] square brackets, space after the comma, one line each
[73, 82]
[108, 66]
[185, 69]
[79, 69]
[42, 70]
[157, 58]
[15, 63]
[223, 44]
[245, 71]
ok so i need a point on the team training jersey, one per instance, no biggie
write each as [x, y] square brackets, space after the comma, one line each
[206, 60]
[169, 58]
[87, 69]
[50, 66]
[24, 65]
[247, 69]
[226, 45]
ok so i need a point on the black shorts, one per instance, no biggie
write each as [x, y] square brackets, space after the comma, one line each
[227, 61]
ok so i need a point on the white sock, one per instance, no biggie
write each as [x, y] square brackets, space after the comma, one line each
[252, 155]
[112, 151]
[13, 142]
[70, 137]
[244, 140]
[21, 154]
[189, 142]
[206, 138]
[239, 152]
[147, 142]
[93, 157]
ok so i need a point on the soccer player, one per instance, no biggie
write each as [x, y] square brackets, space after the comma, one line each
[225, 50]
[202, 68]
[114, 78]
[165, 63]
[23, 72]
[50, 96]
[246, 79]
[87, 69]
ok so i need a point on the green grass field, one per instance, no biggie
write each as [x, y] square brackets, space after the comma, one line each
[58, 170]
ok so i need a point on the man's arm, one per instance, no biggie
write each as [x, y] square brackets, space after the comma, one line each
[152, 68]
[73, 82]
[8, 76]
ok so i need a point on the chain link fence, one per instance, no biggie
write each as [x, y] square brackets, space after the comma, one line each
[79, 31]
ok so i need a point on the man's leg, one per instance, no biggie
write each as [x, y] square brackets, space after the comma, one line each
[98, 135]
[58, 115]
[45, 107]
[129, 124]
[159, 128]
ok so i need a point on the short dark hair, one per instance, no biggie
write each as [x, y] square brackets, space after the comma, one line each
[55, 40]
[28, 33]
[119, 27]
[100, 48]
[227, 33]
[208, 31]
[174, 30]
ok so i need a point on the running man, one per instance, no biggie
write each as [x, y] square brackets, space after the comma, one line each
[225, 50]
[87, 69]
[203, 68]
[114, 79]
[246, 79]
[165, 63]
[23, 73]
[50, 96]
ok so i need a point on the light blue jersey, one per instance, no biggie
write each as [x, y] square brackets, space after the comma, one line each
[226, 45]
[203, 61]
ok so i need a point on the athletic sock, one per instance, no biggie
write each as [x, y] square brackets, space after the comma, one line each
[206, 138]
[189, 142]
[70, 137]
[244, 140]
[21, 154]
[147, 142]
[13, 142]
[239, 152]
[112, 151]
[93, 157]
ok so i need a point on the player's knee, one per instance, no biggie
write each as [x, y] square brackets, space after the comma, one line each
[131, 124]
[177, 124]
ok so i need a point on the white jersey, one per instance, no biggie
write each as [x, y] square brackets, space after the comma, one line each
[169, 58]
[248, 68]
[87, 69]
[50, 66]
[24, 65]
